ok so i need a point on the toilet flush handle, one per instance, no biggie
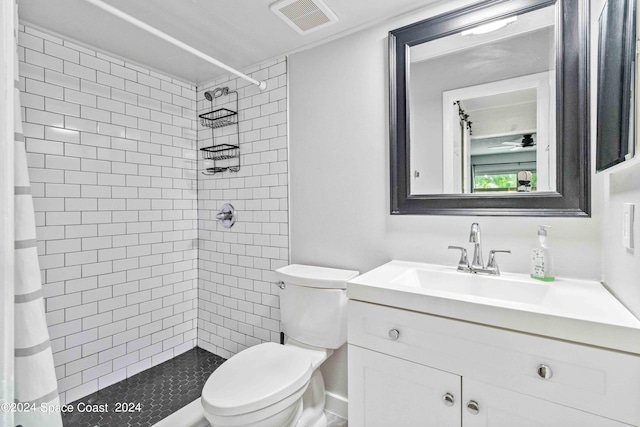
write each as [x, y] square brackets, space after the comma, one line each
[280, 284]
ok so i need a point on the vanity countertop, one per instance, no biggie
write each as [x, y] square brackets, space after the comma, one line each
[576, 310]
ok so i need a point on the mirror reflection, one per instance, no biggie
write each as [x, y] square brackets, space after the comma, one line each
[483, 109]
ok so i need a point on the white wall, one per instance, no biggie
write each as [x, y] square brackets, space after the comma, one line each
[111, 150]
[339, 151]
[621, 265]
[238, 303]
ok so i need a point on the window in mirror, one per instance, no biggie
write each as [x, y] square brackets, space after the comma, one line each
[501, 181]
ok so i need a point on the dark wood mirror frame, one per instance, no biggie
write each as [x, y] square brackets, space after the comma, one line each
[572, 197]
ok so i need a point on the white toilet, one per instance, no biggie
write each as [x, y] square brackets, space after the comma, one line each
[273, 385]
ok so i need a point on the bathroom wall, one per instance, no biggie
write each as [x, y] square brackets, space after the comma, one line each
[111, 149]
[621, 265]
[238, 304]
[339, 151]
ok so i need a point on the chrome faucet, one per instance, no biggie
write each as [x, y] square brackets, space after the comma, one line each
[477, 265]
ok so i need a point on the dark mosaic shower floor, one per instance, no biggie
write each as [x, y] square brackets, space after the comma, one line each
[161, 391]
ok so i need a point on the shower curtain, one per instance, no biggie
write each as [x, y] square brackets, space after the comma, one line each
[35, 383]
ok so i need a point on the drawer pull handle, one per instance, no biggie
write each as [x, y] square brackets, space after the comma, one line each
[448, 399]
[394, 334]
[473, 407]
[544, 372]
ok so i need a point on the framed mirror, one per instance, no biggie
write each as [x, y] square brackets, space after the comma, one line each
[615, 140]
[489, 111]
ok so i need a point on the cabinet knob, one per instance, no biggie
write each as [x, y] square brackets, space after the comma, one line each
[448, 399]
[394, 334]
[473, 407]
[544, 372]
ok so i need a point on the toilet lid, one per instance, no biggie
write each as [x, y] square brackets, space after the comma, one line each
[255, 378]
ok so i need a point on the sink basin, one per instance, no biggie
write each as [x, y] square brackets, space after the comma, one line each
[526, 291]
[575, 310]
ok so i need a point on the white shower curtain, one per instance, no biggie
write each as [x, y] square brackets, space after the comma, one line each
[35, 382]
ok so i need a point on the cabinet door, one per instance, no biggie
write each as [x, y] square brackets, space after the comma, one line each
[499, 407]
[387, 391]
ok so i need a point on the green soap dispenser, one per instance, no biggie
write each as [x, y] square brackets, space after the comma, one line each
[541, 265]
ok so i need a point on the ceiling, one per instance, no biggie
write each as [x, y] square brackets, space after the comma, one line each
[526, 23]
[240, 33]
[497, 100]
[501, 145]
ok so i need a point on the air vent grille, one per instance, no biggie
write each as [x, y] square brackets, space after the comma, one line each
[304, 15]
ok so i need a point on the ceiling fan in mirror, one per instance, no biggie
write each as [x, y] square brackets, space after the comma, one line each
[526, 142]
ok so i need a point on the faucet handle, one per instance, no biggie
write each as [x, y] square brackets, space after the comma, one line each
[492, 264]
[463, 264]
[474, 234]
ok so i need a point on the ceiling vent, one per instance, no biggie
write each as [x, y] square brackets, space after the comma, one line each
[304, 16]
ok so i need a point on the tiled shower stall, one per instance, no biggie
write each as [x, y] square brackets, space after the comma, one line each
[237, 297]
[135, 268]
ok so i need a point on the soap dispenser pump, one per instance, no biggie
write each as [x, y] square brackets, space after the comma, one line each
[541, 267]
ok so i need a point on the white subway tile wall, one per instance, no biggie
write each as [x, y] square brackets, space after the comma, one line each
[238, 303]
[112, 157]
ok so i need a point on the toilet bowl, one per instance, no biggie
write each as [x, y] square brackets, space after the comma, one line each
[263, 385]
[273, 385]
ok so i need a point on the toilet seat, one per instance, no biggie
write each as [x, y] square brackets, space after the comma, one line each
[256, 378]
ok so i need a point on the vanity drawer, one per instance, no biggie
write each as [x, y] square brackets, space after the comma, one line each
[592, 379]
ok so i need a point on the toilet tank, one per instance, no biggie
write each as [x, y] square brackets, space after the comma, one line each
[313, 304]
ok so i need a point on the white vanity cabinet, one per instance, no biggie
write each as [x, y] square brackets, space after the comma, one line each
[414, 369]
[499, 407]
[390, 391]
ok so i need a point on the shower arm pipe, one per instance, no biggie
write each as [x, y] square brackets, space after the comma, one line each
[120, 14]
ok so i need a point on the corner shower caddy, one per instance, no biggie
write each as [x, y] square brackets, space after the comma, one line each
[216, 119]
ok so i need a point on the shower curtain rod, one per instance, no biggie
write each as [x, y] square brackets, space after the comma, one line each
[120, 14]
